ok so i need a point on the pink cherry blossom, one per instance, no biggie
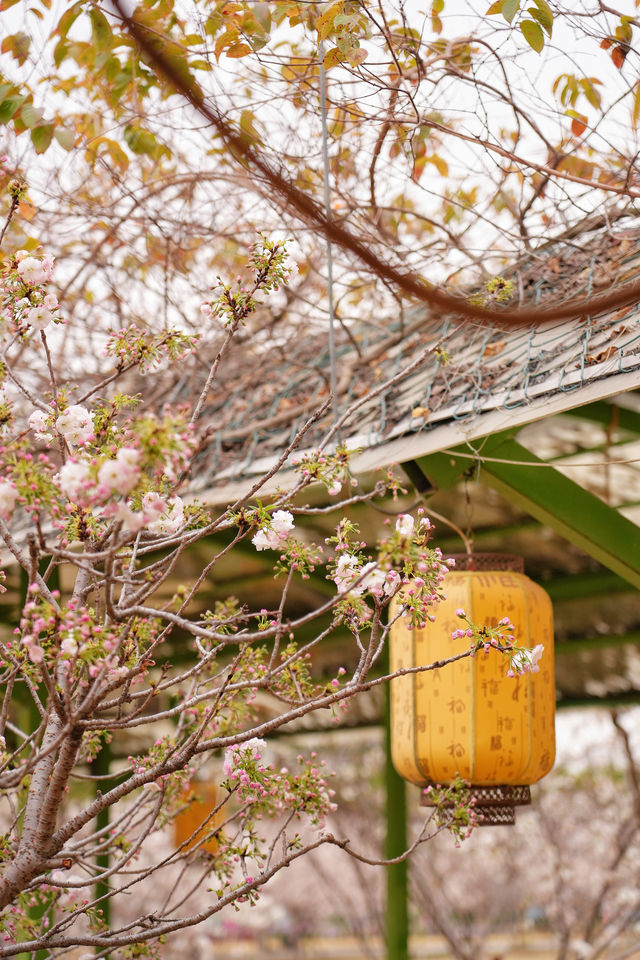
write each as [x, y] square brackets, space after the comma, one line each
[153, 506]
[122, 474]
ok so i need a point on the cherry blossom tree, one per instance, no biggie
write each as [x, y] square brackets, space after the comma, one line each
[141, 176]
[93, 496]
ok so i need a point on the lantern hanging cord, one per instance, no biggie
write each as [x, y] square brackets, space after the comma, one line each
[327, 212]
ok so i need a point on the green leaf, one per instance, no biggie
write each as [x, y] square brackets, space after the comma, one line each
[139, 140]
[66, 138]
[100, 30]
[542, 19]
[67, 19]
[41, 137]
[544, 15]
[624, 31]
[509, 9]
[31, 115]
[590, 92]
[437, 7]
[441, 165]
[532, 33]
[60, 52]
[247, 118]
[9, 107]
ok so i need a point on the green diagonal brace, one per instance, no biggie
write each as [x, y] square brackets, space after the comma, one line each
[550, 497]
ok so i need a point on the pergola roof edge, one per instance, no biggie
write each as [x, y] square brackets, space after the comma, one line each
[410, 444]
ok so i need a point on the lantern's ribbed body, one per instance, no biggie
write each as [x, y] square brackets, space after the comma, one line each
[469, 718]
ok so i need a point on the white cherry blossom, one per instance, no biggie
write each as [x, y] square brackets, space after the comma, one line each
[525, 661]
[405, 525]
[39, 317]
[273, 536]
[282, 523]
[121, 474]
[38, 423]
[170, 520]
[74, 479]
[8, 497]
[32, 271]
[75, 424]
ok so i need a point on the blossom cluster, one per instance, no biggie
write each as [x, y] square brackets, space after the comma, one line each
[258, 782]
[273, 534]
[270, 266]
[99, 476]
[132, 346]
[353, 577]
[329, 469]
[520, 660]
[26, 302]
[454, 808]
[69, 635]
[404, 562]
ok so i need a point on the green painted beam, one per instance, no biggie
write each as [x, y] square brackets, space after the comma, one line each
[608, 414]
[553, 499]
[570, 647]
[590, 585]
[613, 700]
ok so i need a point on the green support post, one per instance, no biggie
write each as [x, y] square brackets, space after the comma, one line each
[100, 767]
[397, 913]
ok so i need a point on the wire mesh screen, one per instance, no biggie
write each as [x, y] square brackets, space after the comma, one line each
[269, 389]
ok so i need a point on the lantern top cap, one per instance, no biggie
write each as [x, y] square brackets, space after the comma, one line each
[488, 561]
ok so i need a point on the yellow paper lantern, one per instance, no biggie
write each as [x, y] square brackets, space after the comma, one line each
[468, 718]
[201, 798]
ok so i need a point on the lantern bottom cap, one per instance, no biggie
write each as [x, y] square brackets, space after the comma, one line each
[495, 804]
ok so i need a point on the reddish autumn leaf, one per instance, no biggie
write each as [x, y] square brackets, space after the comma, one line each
[619, 54]
[578, 127]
